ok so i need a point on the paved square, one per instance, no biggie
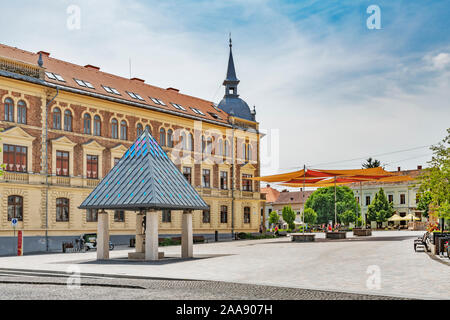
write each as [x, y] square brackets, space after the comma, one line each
[339, 265]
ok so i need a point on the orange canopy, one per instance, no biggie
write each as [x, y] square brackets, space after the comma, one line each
[281, 177]
[323, 178]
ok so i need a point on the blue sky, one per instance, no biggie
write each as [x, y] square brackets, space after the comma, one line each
[328, 87]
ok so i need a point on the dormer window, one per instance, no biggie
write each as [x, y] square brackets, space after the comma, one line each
[54, 76]
[83, 83]
[135, 96]
[110, 90]
[157, 101]
[177, 106]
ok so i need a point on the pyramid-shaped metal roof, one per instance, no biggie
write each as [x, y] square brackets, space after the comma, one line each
[144, 178]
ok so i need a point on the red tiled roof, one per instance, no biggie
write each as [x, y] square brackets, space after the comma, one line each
[271, 193]
[292, 197]
[97, 78]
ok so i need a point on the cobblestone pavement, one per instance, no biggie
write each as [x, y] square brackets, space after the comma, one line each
[24, 285]
[327, 265]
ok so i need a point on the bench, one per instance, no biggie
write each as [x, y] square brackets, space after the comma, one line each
[422, 242]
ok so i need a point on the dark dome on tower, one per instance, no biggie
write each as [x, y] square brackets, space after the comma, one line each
[231, 103]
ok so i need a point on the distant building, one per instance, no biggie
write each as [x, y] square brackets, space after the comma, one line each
[271, 196]
[403, 195]
[296, 200]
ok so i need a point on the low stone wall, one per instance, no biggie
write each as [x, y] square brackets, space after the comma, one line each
[335, 235]
[300, 237]
[362, 232]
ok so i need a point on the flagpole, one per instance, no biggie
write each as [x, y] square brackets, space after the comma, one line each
[335, 208]
[303, 194]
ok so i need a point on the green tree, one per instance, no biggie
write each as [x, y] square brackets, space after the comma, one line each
[371, 163]
[380, 209]
[310, 216]
[322, 202]
[274, 217]
[435, 180]
[289, 216]
[347, 217]
[424, 202]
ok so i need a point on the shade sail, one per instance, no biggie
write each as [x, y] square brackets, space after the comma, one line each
[371, 173]
[144, 178]
[280, 177]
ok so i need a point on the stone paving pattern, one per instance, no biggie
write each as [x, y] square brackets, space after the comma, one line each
[334, 265]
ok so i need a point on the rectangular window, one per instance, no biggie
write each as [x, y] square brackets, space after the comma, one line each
[390, 198]
[91, 215]
[92, 167]
[367, 200]
[206, 178]
[223, 214]
[119, 216]
[15, 158]
[15, 208]
[166, 216]
[402, 198]
[246, 182]
[62, 209]
[187, 172]
[116, 160]
[246, 214]
[206, 218]
[223, 180]
[62, 163]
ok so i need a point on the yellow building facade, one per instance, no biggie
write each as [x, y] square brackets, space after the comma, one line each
[58, 139]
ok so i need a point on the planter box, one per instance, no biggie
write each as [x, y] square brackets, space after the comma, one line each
[300, 237]
[362, 232]
[336, 235]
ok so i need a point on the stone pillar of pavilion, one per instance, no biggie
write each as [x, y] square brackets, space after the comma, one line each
[151, 235]
[186, 235]
[102, 235]
[140, 236]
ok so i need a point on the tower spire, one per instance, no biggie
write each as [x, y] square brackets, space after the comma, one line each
[231, 81]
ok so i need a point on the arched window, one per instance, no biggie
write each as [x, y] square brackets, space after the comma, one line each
[62, 209]
[209, 146]
[226, 148]
[123, 130]
[139, 129]
[148, 128]
[87, 123]
[97, 126]
[9, 110]
[203, 144]
[170, 138]
[67, 120]
[183, 141]
[162, 137]
[57, 118]
[15, 208]
[114, 129]
[191, 142]
[220, 151]
[22, 112]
